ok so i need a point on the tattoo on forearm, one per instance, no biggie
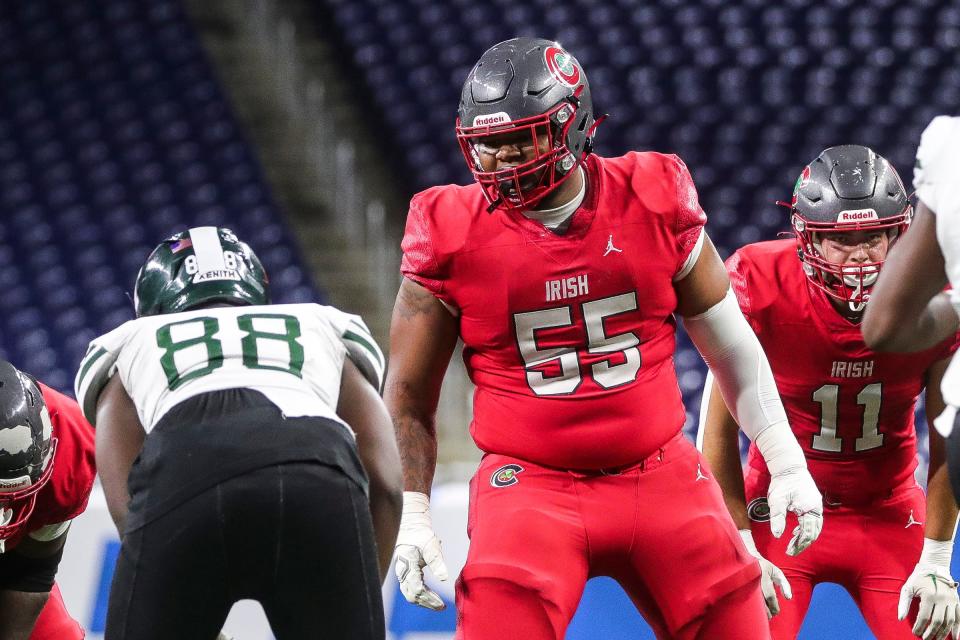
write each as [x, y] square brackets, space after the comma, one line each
[418, 453]
[413, 300]
[416, 438]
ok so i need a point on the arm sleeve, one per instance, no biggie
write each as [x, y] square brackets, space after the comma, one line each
[31, 575]
[732, 351]
[50, 531]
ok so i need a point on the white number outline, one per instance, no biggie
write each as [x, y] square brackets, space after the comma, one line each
[870, 398]
[594, 313]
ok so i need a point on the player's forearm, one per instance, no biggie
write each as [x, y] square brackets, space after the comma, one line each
[732, 351]
[941, 517]
[908, 310]
[903, 332]
[417, 440]
[19, 611]
[385, 508]
[721, 448]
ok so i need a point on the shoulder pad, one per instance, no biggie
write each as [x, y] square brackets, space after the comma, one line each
[96, 369]
[361, 348]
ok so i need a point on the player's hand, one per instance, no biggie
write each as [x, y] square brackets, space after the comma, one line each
[418, 546]
[793, 489]
[770, 576]
[939, 613]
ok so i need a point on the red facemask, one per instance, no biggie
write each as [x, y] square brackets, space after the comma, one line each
[16, 506]
[849, 283]
[523, 186]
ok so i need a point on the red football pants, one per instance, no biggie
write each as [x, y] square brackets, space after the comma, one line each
[54, 623]
[870, 550]
[660, 528]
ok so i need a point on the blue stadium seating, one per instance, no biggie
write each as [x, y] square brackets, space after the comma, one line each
[747, 92]
[113, 134]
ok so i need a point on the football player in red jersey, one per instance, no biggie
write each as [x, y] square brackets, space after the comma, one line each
[562, 272]
[851, 408]
[46, 474]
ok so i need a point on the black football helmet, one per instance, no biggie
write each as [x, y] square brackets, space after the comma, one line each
[200, 266]
[533, 86]
[847, 188]
[27, 448]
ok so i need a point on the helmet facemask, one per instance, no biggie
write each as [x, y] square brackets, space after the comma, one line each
[523, 186]
[847, 189]
[16, 504]
[531, 88]
[849, 283]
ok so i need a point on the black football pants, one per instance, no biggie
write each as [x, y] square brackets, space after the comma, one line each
[296, 537]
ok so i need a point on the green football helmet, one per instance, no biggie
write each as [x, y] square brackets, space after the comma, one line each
[200, 266]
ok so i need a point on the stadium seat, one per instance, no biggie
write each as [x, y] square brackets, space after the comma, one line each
[113, 134]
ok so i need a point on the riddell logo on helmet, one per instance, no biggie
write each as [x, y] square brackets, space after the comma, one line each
[857, 215]
[8, 485]
[501, 117]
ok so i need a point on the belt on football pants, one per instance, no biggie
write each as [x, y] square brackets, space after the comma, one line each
[652, 461]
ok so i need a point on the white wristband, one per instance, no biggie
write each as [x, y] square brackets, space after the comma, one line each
[780, 449]
[747, 536]
[936, 552]
[415, 502]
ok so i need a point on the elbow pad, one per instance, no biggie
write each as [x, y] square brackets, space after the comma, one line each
[731, 350]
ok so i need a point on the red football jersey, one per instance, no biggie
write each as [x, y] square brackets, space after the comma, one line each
[568, 338]
[851, 408]
[65, 496]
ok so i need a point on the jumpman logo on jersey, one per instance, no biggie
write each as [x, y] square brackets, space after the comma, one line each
[700, 475]
[610, 247]
[911, 521]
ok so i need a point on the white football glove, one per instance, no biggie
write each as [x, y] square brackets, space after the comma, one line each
[791, 487]
[794, 490]
[939, 614]
[418, 546]
[770, 576]
[223, 636]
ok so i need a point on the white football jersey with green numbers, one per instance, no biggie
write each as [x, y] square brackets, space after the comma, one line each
[292, 353]
[936, 177]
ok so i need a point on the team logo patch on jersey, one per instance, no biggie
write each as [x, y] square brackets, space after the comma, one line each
[561, 64]
[758, 510]
[505, 476]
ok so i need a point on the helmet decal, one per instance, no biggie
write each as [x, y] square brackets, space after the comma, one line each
[562, 66]
[492, 119]
[15, 440]
[179, 245]
[211, 260]
[801, 181]
[202, 265]
[857, 215]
